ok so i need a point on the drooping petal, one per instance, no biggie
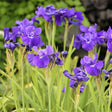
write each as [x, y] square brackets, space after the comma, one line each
[36, 41]
[99, 64]
[26, 40]
[6, 34]
[11, 45]
[86, 60]
[92, 70]
[41, 62]
[30, 58]
[66, 73]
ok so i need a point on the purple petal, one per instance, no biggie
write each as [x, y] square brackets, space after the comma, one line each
[30, 58]
[95, 58]
[66, 73]
[82, 88]
[92, 70]
[6, 34]
[41, 62]
[86, 60]
[111, 60]
[64, 53]
[59, 61]
[11, 45]
[36, 41]
[63, 90]
[87, 46]
[58, 19]
[73, 83]
[83, 28]
[109, 45]
[100, 64]
[26, 40]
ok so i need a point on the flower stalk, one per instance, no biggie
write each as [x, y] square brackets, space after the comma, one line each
[77, 97]
[53, 31]
[66, 33]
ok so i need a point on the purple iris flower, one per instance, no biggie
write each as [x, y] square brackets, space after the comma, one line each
[101, 36]
[23, 24]
[79, 76]
[44, 57]
[88, 41]
[46, 12]
[92, 66]
[16, 32]
[64, 53]
[30, 33]
[77, 42]
[89, 37]
[78, 17]
[9, 37]
[6, 34]
[108, 73]
[70, 15]
[109, 39]
[11, 45]
[60, 15]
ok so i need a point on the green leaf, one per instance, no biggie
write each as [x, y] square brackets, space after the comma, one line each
[61, 4]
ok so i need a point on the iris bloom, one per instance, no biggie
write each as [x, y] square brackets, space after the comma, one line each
[92, 66]
[60, 15]
[88, 38]
[30, 33]
[79, 76]
[11, 45]
[9, 37]
[44, 57]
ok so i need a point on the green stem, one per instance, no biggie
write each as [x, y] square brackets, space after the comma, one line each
[93, 96]
[91, 53]
[110, 93]
[48, 73]
[22, 74]
[47, 32]
[13, 85]
[98, 85]
[53, 32]
[65, 34]
[77, 96]
[106, 58]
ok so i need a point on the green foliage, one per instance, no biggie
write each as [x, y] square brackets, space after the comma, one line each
[12, 11]
[31, 89]
[2, 53]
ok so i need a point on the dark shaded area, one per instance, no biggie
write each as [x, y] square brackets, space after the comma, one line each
[100, 12]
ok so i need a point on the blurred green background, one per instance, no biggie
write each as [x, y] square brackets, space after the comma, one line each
[12, 10]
